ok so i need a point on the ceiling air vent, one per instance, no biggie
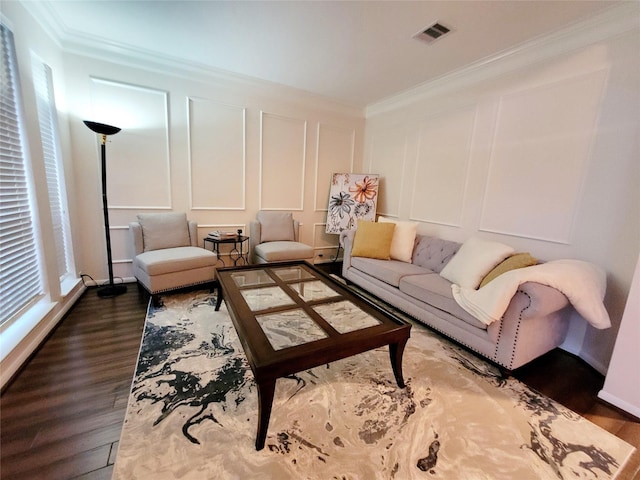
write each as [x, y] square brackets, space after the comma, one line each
[432, 33]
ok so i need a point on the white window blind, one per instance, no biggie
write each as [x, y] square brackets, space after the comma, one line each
[19, 265]
[47, 117]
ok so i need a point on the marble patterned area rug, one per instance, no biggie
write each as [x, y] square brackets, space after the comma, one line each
[192, 414]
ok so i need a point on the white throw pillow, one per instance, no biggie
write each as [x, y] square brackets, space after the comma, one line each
[404, 237]
[164, 230]
[474, 260]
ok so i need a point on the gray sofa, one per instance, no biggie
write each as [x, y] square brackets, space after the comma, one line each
[535, 322]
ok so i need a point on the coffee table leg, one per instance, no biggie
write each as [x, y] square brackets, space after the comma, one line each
[219, 299]
[266, 389]
[395, 353]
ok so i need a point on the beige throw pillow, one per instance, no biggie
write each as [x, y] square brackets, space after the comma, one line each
[473, 261]
[404, 237]
[164, 230]
[275, 226]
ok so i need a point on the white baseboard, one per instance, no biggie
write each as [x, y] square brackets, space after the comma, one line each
[597, 364]
[618, 402]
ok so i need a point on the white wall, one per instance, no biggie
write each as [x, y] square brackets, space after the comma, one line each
[537, 148]
[217, 147]
[622, 385]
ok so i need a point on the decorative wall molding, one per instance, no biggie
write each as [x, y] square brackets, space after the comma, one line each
[217, 155]
[337, 155]
[226, 226]
[283, 146]
[613, 22]
[325, 245]
[441, 175]
[538, 162]
[140, 207]
[322, 239]
[387, 157]
[120, 244]
[141, 146]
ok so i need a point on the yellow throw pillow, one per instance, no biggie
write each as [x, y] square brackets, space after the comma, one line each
[518, 260]
[373, 240]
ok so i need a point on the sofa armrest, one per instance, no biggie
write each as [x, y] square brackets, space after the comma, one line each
[296, 230]
[531, 300]
[543, 299]
[136, 242]
[346, 240]
[193, 233]
[536, 321]
[255, 236]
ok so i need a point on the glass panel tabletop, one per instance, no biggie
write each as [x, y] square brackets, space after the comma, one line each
[289, 328]
[294, 305]
[247, 278]
[292, 273]
[345, 316]
[313, 290]
[263, 298]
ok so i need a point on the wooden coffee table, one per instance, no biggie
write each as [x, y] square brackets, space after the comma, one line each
[291, 317]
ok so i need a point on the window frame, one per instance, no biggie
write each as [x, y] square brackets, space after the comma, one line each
[18, 211]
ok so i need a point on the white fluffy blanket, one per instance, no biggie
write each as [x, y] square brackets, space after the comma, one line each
[583, 283]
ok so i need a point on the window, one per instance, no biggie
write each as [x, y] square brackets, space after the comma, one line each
[47, 117]
[20, 283]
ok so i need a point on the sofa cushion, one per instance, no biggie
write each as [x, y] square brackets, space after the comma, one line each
[517, 260]
[373, 240]
[474, 260]
[275, 226]
[170, 260]
[281, 251]
[388, 271]
[433, 253]
[164, 230]
[404, 239]
[436, 291]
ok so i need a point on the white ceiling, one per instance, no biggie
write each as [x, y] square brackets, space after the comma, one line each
[357, 52]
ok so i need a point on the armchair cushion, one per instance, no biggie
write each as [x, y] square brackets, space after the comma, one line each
[275, 226]
[164, 230]
[282, 250]
[159, 262]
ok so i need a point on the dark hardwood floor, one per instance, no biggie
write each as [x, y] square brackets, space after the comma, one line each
[62, 415]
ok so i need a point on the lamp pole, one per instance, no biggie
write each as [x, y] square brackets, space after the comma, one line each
[110, 290]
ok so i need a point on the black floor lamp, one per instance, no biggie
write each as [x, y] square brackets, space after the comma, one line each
[110, 290]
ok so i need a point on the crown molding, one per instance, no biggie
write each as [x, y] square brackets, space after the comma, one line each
[45, 16]
[78, 43]
[615, 21]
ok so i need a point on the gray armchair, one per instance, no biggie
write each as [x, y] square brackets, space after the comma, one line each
[274, 237]
[166, 255]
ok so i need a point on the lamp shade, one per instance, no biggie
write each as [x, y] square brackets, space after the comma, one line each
[101, 128]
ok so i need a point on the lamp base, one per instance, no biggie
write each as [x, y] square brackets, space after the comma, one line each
[112, 290]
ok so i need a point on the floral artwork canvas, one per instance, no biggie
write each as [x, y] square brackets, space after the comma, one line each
[352, 196]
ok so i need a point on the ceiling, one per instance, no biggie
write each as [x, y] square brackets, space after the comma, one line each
[356, 52]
